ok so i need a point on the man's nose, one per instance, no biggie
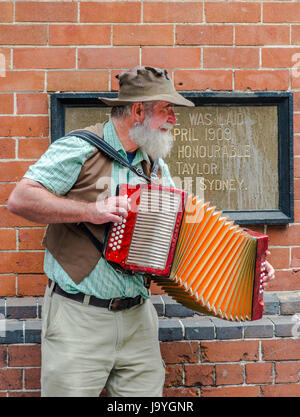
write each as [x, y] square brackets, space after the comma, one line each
[172, 117]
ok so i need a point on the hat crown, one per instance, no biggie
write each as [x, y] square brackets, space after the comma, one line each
[144, 81]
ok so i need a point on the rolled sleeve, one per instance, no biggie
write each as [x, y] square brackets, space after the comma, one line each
[59, 167]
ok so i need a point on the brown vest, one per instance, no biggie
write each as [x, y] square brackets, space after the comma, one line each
[67, 243]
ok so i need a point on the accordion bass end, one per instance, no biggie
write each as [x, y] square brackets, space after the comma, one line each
[199, 257]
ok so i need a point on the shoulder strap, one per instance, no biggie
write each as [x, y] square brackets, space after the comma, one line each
[108, 150]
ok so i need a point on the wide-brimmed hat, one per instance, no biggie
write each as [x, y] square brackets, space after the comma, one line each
[140, 84]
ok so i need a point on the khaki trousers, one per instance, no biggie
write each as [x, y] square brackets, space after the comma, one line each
[87, 348]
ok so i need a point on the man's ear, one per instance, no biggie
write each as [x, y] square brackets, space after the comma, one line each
[138, 112]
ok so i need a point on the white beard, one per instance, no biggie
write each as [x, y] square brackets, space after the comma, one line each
[155, 143]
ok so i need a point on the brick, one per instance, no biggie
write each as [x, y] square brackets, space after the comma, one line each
[284, 236]
[281, 12]
[237, 12]
[296, 95]
[5, 61]
[11, 171]
[79, 35]
[32, 148]
[6, 11]
[279, 258]
[297, 188]
[296, 34]
[296, 75]
[271, 304]
[284, 325]
[19, 34]
[280, 349]
[198, 329]
[288, 372]
[3, 356]
[174, 375]
[110, 12]
[259, 373]
[156, 289]
[24, 126]
[22, 356]
[286, 280]
[33, 378]
[230, 57]
[196, 375]
[297, 130]
[229, 351]
[170, 330]
[262, 35]
[171, 57]
[13, 334]
[7, 148]
[108, 57]
[10, 379]
[181, 392]
[280, 57]
[281, 390]
[203, 79]
[204, 35]
[48, 58]
[77, 81]
[229, 374]
[8, 219]
[179, 352]
[6, 103]
[158, 304]
[240, 391]
[7, 239]
[227, 329]
[261, 80]
[295, 258]
[258, 329]
[22, 81]
[24, 394]
[21, 262]
[30, 239]
[289, 302]
[37, 11]
[32, 103]
[167, 12]
[31, 285]
[7, 285]
[175, 309]
[143, 35]
[33, 329]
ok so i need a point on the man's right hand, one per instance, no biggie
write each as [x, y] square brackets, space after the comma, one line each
[112, 209]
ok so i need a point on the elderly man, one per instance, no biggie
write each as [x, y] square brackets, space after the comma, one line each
[86, 345]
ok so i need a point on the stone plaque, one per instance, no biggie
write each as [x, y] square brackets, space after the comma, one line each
[226, 154]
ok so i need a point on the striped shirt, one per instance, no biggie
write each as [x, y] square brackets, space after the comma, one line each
[57, 170]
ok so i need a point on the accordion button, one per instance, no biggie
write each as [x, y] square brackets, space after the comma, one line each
[123, 226]
[110, 245]
[119, 241]
[115, 224]
[121, 236]
[113, 248]
[118, 247]
[124, 220]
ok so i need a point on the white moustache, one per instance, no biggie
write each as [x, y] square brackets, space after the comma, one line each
[167, 125]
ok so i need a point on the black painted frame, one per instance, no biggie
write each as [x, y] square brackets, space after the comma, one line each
[284, 102]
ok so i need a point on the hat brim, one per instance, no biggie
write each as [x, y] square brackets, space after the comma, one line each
[176, 99]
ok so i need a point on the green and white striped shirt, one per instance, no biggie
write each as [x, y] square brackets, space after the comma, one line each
[57, 170]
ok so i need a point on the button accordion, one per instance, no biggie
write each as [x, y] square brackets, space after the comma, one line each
[199, 257]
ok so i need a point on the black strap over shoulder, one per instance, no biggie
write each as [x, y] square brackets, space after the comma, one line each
[111, 153]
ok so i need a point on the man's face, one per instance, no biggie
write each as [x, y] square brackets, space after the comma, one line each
[162, 113]
[152, 135]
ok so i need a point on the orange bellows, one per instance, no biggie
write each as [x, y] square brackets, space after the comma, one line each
[214, 265]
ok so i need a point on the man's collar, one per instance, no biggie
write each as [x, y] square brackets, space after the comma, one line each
[112, 138]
